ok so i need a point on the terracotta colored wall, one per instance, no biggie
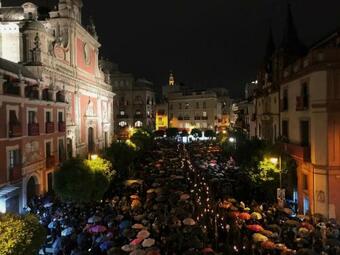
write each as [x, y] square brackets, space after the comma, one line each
[90, 68]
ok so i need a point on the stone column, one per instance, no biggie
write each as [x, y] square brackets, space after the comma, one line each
[22, 88]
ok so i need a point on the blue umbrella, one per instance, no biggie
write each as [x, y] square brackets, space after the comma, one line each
[52, 225]
[105, 245]
[124, 224]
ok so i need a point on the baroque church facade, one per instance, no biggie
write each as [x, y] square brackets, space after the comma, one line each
[65, 57]
[67, 101]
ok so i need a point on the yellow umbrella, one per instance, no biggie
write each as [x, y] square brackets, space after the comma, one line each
[256, 216]
[258, 238]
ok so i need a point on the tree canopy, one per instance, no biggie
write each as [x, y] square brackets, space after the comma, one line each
[20, 235]
[83, 180]
[196, 132]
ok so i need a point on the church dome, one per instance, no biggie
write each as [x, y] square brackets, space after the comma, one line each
[34, 25]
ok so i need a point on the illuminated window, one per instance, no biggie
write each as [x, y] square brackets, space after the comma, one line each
[122, 113]
[138, 124]
[122, 124]
[204, 114]
[186, 105]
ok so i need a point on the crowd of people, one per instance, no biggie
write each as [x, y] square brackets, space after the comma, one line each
[174, 205]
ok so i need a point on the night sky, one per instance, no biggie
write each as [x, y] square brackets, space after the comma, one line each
[207, 43]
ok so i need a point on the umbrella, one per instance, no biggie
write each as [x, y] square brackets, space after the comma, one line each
[136, 241]
[306, 252]
[189, 222]
[124, 224]
[303, 231]
[153, 252]
[94, 219]
[128, 248]
[52, 225]
[48, 205]
[148, 242]
[67, 231]
[138, 217]
[137, 252]
[134, 197]
[119, 217]
[287, 211]
[149, 191]
[184, 197]
[274, 228]
[255, 228]
[207, 250]
[143, 234]
[105, 245]
[267, 233]
[244, 216]
[138, 226]
[259, 238]
[292, 223]
[307, 225]
[97, 229]
[256, 216]
[268, 245]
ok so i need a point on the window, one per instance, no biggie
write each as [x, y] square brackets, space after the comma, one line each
[14, 158]
[180, 106]
[48, 117]
[138, 112]
[13, 117]
[61, 150]
[122, 124]
[48, 148]
[204, 105]
[285, 100]
[304, 132]
[170, 106]
[197, 105]
[204, 114]
[285, 129]
[138, 124]
[60, 116]
[122, 113]
[305, 95]
[31, 117]
[186, 105]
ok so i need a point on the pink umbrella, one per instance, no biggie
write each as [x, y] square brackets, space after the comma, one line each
[97, 229]
[136, 241]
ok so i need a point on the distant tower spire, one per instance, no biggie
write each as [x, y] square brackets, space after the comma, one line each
[171, 79]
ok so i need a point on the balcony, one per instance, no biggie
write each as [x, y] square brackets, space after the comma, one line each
[49, 127]
[15, 130]
[11, 89]
[60, 97]
[205, 118]
[301, 103]
[297, 151]
[33, 129]
[50, 161]
[62, 126]
[15, 173]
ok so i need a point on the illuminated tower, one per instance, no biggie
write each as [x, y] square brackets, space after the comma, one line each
[171, 79]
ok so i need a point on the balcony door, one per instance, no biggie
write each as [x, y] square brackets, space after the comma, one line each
[32, 189]
[304, 132]
[90, 140]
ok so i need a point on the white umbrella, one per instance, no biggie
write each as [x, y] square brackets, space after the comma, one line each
[128, 248]
[148, 242]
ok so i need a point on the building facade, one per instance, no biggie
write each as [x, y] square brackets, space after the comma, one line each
[297, 101]
[63, 56]
[32, 137]
[134, 103]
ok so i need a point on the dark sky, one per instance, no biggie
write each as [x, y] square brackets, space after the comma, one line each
[207, 43]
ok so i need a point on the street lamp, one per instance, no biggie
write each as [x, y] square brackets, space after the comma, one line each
[277, 162]
[93, 156]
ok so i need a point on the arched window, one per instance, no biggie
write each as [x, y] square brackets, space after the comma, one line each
[122, 124]
[138, 124]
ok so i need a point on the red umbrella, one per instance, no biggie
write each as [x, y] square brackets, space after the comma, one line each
[97, 229]
[255, 228]
[244, 216]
